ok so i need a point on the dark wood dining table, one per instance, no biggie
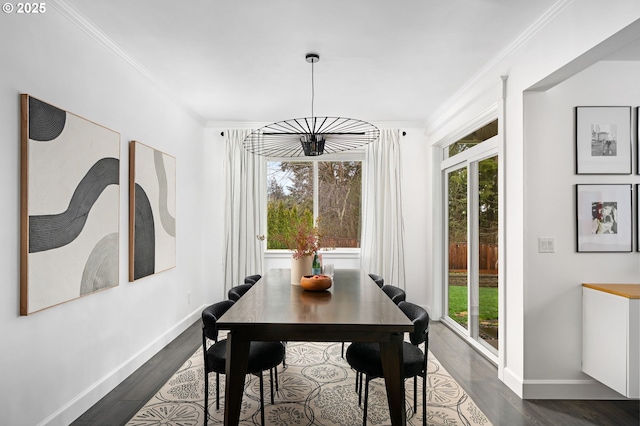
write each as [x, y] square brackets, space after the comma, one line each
[354, 309]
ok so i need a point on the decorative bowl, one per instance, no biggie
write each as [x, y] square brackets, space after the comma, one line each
[315, 282]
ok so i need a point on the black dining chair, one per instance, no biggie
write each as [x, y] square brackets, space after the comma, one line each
[377, 279]
[396, 294]
[235, 293]
[252, 279]
[262, 356]
[365, 358]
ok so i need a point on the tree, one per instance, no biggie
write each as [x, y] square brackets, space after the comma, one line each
[290, 199]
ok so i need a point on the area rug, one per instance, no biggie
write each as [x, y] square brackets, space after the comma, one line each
[317, 387]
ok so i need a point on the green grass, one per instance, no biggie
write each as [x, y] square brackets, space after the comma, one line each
[458, 304]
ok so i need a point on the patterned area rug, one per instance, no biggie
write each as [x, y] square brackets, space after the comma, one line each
[317, 387]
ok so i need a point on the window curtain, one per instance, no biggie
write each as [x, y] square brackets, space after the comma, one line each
[382, 224]
[245, 179]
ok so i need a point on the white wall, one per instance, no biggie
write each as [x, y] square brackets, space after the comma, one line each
[417, 209]
[553, 293]
[213, 207]
[569, 32]
[58, 362]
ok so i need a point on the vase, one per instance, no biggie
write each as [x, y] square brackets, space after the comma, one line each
[300, 267]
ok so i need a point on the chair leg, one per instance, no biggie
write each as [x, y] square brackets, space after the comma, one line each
[366, 400]
[415, 393]
[217, 391]
[276, 376]
[206, 397]
[271, 383]
[360, 391]
[424, 399]
[261, 399]
[284, 359]
[342, 350]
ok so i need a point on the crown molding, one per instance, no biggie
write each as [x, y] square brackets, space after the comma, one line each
[95, 33]
[461, 97]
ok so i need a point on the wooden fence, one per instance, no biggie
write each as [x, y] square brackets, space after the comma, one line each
[336, 242]
[488, 257]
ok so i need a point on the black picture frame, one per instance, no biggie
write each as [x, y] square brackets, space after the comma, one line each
[637, 143]
[603, 140]
[604, 218]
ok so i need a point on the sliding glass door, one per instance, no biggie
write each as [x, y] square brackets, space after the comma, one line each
[470, 172]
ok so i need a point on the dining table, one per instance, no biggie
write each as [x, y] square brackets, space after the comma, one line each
[353, 309]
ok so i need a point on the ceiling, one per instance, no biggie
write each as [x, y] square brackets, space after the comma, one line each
[244, 61]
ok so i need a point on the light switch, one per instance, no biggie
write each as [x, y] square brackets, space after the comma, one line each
[546, 245]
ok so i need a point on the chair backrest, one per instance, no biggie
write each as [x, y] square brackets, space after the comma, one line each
[396, 294]
[210, 317]
[252, 279]
[235, 293]
[377, 279]
[420, 318]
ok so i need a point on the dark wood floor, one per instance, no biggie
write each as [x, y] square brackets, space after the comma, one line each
[474, 373]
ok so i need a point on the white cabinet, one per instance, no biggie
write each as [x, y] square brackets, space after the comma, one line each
[611, 336]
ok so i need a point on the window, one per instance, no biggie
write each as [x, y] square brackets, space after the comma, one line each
[471, 237]
[306, 191]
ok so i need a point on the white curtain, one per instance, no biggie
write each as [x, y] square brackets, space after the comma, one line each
[245, 175]
[382, 227]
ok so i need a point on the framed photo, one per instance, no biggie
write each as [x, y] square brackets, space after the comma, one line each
[152, 214]
[604, 218]
[603, 140]
[69, 207]
[637, 145]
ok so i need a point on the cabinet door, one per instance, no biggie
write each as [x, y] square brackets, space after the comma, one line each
[605, 319]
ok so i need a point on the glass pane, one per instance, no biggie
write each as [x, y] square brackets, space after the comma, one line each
[472, 139]
[289, 201]
[340, 199]
[488, 250]
[457, 232]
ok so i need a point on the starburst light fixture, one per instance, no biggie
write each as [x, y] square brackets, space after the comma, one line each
[310, 136]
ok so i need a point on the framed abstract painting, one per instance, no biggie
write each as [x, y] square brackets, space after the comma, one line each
[604, 217]
[152, 211]
[70, 206]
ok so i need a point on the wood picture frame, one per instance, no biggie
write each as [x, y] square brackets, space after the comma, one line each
[603, 139]
[604, 217]
[69, 206]
[152, 211]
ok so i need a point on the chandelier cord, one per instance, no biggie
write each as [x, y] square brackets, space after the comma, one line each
[313, 92]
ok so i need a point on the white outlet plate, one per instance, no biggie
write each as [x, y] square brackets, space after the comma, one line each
[546, 245]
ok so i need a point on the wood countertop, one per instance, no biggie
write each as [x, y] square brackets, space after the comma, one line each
[630, 291]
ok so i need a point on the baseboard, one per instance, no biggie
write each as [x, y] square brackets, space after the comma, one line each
[513, 381]
[587, 389]
[86, 399]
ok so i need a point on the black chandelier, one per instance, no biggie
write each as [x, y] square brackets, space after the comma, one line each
[310, 136]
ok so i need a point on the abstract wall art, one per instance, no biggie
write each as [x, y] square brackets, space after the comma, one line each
[152, 211]
[70, 206]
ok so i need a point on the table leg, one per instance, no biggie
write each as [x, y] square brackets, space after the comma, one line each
[236, 369]
[393, 368]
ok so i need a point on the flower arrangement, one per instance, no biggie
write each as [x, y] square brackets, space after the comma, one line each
[306, 240]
